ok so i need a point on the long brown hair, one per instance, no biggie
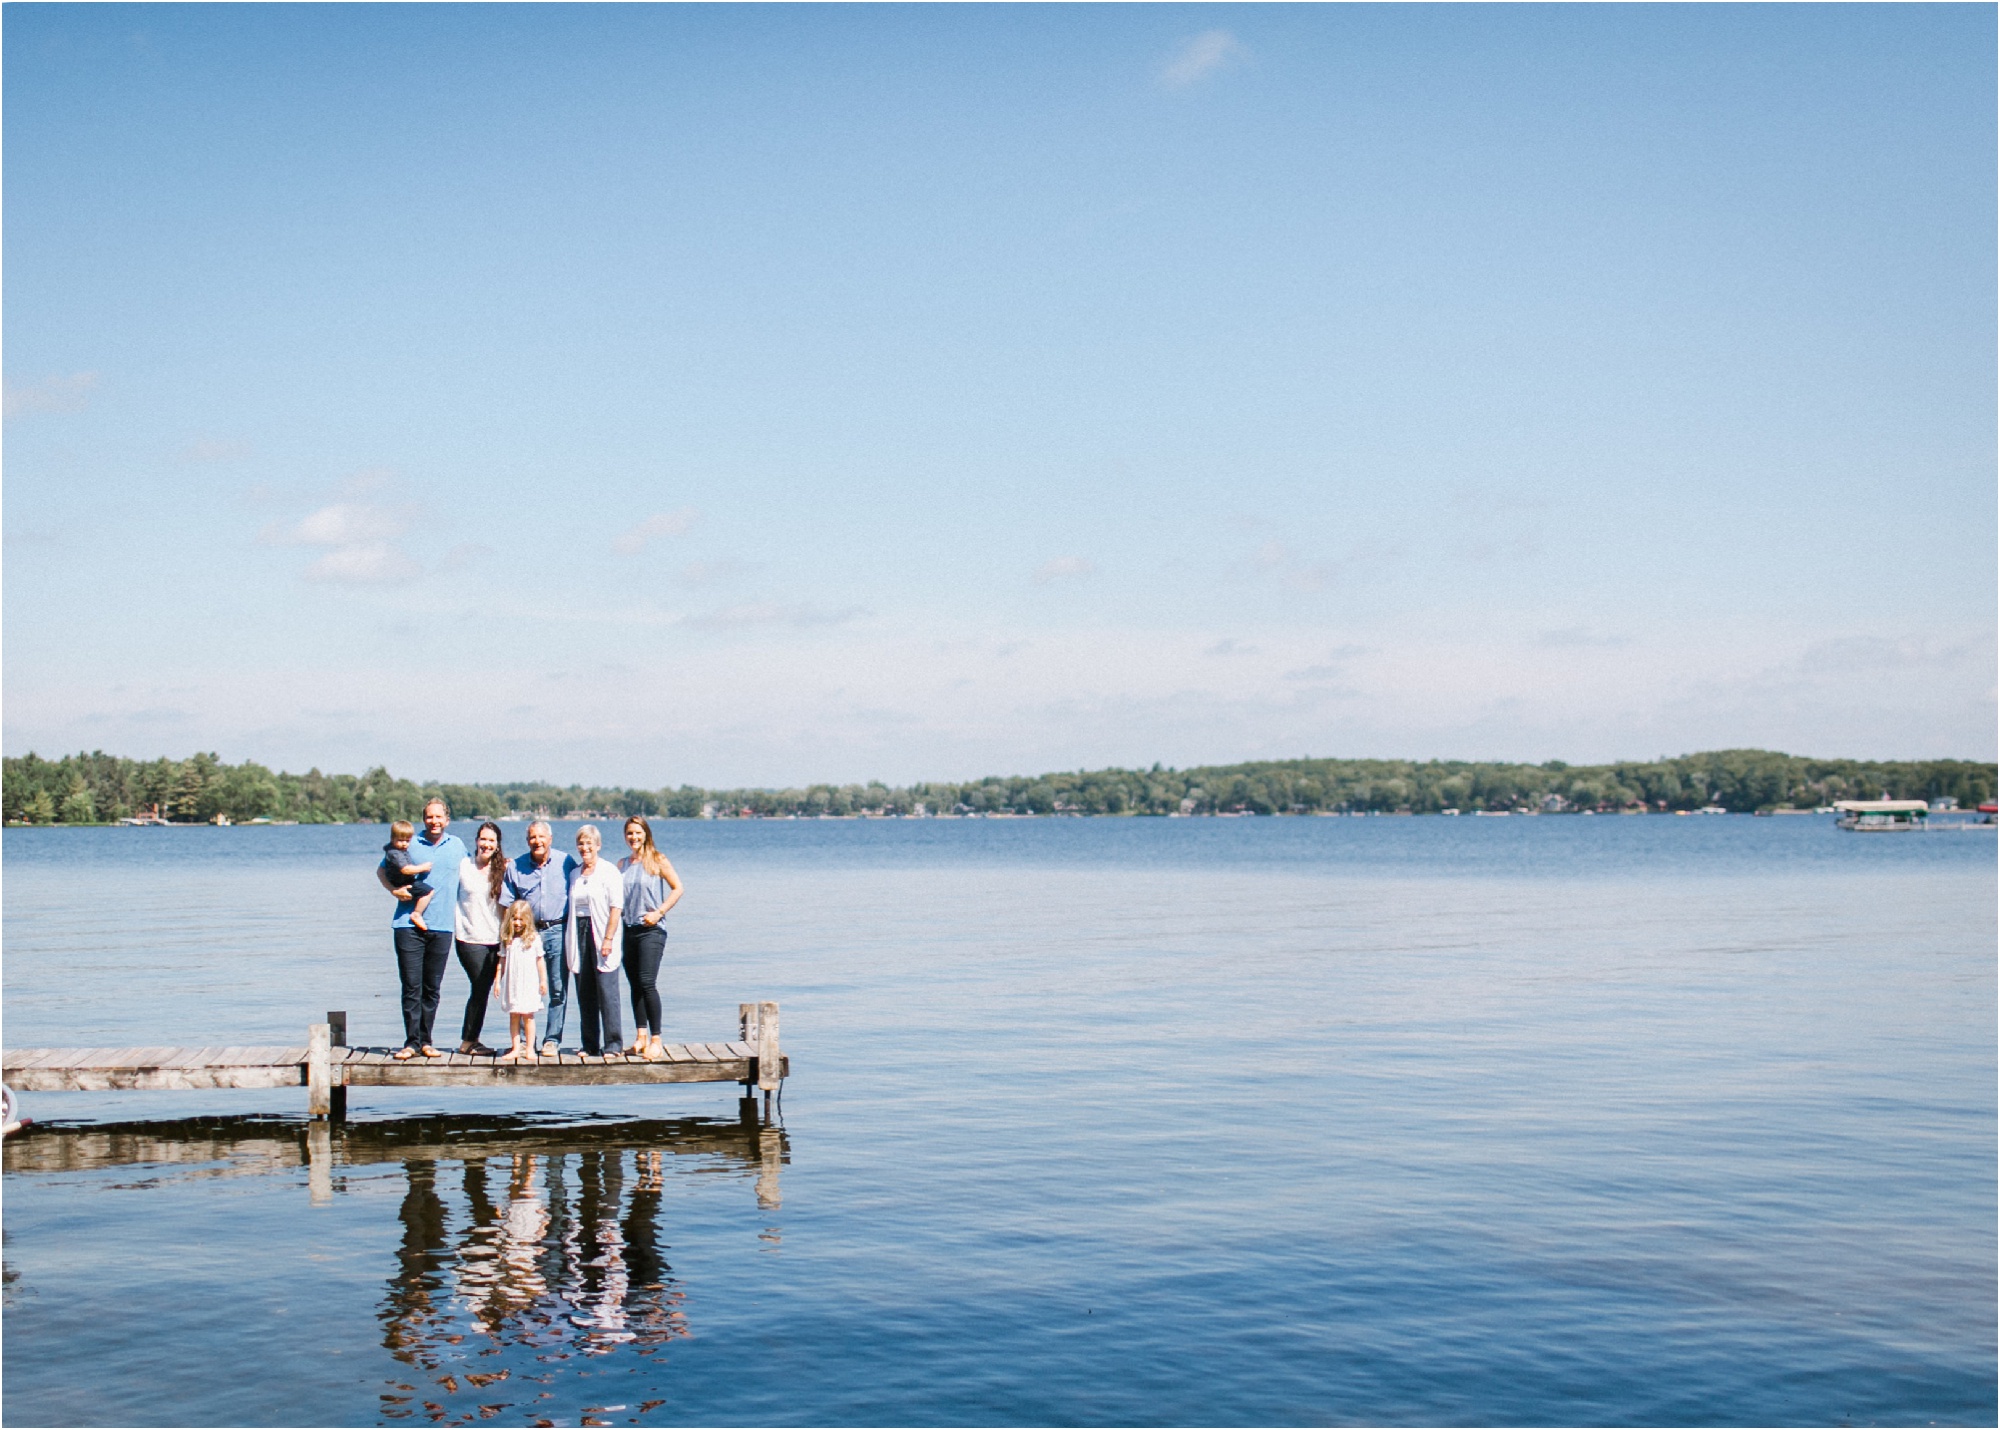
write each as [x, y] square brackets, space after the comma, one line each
[649, 854]
[496, 868]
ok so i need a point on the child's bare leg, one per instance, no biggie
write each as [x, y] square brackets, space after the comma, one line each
[417, 913]
[528, 1034]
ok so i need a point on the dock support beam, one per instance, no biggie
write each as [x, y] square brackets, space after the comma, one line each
[759, 1028]
[337, 1027]
[770, 1058]
[319, 1070]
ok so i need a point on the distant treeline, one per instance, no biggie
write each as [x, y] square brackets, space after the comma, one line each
[97, 788]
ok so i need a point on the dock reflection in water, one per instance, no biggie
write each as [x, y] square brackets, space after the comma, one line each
[528, 1242]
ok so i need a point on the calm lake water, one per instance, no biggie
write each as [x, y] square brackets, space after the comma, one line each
[1258, 1121]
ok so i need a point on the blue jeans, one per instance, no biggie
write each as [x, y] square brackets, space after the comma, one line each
[558, 971]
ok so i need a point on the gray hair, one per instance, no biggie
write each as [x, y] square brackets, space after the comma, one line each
[542, 824]
[593, 831]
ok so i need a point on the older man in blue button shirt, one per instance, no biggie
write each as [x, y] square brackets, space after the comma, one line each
[421, 954]
[542, 878]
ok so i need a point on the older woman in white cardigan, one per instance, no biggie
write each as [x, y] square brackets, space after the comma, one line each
[591, 943]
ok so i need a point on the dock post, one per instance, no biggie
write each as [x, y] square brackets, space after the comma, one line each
[770, 1058]
[746, 1022]
[337, 1026]
[319, 1069]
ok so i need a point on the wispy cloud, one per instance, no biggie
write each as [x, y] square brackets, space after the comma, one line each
[1334, 667]
[365, 563]
[1294, 572]
[1064, 568]
[770, 613]
[51, 394]
[712, 573]
[1850, 654]
[358, 537]
[19, 535]
[1496, 525]
[661, 524]
[1202, 56]
[1571, 636]
[345, 523]
[1229, 645]
[467, 555]
[213, 451]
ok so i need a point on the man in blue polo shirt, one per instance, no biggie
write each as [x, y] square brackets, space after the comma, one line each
[421, 954]
[542, 877]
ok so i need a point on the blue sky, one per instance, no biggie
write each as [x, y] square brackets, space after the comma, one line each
[762, 394]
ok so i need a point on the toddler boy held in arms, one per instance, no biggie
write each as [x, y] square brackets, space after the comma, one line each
[398, 869]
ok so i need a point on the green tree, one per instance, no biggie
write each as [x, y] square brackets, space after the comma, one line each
[77, 805]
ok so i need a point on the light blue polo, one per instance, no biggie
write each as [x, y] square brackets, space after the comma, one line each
[444, 857]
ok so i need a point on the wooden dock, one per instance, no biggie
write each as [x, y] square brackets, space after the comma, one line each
[326, 1067]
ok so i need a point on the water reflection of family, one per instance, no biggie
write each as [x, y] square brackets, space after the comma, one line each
[531, 927]
[568, 1258]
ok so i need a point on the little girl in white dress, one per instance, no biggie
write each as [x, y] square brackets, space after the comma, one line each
[523, 979]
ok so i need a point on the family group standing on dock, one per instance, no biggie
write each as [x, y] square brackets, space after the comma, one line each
[533, 926]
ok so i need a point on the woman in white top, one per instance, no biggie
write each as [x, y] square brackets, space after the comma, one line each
[590, 943]
[480, 875]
